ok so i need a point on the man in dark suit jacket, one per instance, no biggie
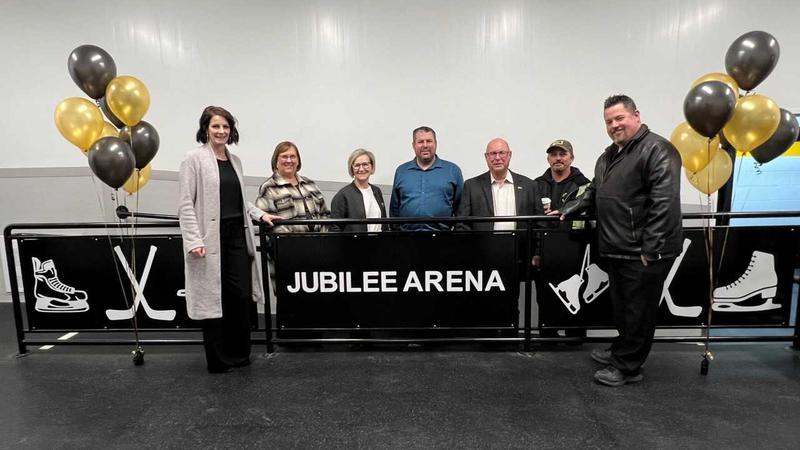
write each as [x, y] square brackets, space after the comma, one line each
[498, 192]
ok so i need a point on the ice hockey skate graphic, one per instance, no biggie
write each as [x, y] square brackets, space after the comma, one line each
[52, 295]
[758, 279]
[125, 314]
[682, 311]
[591, 281]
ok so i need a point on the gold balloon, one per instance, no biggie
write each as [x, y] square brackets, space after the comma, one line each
[128, 98]
[721, 77]
[713, 176]
[137, 180]
[694, 148]
[754, 120]
[79, 121]
[108, 130]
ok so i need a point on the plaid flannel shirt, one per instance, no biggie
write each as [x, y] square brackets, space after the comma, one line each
[304, 201]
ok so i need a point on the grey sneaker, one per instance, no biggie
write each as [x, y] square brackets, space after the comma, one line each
[611, 376]
[603, 356]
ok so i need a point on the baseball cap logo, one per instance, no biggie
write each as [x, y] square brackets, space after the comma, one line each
[562, 144]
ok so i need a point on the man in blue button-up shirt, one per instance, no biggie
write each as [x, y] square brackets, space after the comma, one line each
[426, 186]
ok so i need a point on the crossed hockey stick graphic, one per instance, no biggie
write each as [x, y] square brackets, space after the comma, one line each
[125, 314]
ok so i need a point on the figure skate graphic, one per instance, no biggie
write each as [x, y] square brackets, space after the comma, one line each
[568, 292]
[682, 311]
[52, 295]
[125, 314]
[759, 278]
[596, 281]
[590, 281]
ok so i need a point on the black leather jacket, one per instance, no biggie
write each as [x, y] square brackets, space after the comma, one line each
[636, 197]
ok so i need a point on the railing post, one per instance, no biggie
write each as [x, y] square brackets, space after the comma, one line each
[12, 279]
[796, 340]
[262, 236]
[528, 261]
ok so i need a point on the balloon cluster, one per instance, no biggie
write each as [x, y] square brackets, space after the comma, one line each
[718, 118]
[119, 152]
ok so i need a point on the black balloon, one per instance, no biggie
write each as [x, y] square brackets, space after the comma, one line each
[109, 115]
[751, 58]
[91, 68]
[112, 160]
[144, 144]
[708, 106]
[780, 141]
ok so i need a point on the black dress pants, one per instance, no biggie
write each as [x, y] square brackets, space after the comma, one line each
[227, 339]
[635, 294]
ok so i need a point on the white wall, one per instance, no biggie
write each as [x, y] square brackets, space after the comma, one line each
[336, 75]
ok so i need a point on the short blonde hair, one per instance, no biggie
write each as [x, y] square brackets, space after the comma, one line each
[356, 154]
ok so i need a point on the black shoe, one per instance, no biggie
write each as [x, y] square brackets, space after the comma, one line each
[611, 376]
[603, 356]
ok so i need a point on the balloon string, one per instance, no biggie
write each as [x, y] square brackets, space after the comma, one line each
[710, 174]
[137, 173]
[736, 176]
[710, 254]
[132, 234]
[113, 256]
[131, 243]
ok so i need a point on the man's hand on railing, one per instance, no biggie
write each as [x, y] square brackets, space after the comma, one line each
[556, 212]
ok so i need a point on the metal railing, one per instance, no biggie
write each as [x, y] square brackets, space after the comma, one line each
[533, 224]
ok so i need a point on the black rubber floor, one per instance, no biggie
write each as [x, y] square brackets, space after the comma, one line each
[429, 397]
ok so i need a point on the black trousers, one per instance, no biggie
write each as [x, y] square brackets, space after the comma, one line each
[227, 339]
[635, 294]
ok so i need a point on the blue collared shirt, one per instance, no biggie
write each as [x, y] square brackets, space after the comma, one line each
[435, 192]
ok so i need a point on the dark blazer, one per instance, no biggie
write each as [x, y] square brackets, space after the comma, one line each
[348, 203]
[477, 200]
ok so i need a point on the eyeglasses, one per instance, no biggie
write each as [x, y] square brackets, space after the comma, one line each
[502, 154]
[365, 165]
[287, 157]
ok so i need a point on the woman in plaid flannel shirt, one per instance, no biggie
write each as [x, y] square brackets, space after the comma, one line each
[291, 195]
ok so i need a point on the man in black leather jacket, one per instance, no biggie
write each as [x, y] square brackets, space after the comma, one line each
[636, 196]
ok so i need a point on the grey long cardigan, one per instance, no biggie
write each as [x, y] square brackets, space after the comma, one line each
[199, 213]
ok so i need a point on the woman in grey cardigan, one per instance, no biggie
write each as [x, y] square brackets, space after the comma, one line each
[220, 264]
[359, 199]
